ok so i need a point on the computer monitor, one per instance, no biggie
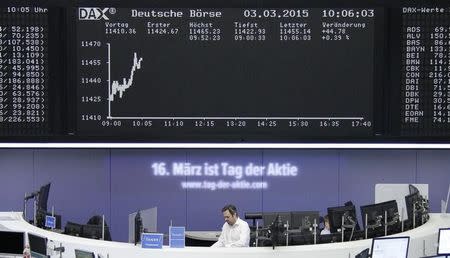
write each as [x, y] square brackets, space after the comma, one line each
[95, 232]
[303, 219]
[73, 229]
[329, 238]
[391, 209]
[253, 216]
[335, 217]
[11, 243]
[37, 255]
[410, 201]
[38, 244]
[444, 241]
[304, 238]
[390, 247]
[376, 214]
[41, 204]
[43, 197]
[96, 222]
[269, 217]
[92, 231]
[416, 202]
[83, 254]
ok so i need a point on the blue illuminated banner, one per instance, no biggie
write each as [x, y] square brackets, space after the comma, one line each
[224, 175]
[152, 240]
[50, 222]
[177, 237]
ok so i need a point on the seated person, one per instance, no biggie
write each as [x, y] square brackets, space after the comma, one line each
[326, 229]
[235, 232]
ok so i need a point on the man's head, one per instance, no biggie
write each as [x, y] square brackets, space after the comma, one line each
[230, 214]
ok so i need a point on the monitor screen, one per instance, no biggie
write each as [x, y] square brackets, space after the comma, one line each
[269, 217]
[25, 87]
[83, 254]
[240, 71]
[391, 208]
[38, 244]
[73, 229]
[303, 219]
[390, 247]
[444, 241]
[303, 238]
[335, 215]
[92, 231]
[376, 212]
[43, 197]
[330, 238]
[11, 242]
[228, 72]
[95, 231]
[374, 215]
[411, 204]
[37, 255]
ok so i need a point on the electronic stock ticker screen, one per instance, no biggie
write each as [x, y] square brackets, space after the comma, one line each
[304, 71]
[24, 71]
[361, 71]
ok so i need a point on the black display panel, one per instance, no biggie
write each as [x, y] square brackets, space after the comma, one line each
[226, 71]
[38, 244]
[24, 82]
[11, 242]
[425, 87]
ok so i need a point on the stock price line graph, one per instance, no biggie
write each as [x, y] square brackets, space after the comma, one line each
[228, 72]
[116, 87]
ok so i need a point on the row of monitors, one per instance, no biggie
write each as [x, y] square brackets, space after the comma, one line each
[346, 215]
[305, 219]
[295, 219]
[13, 243]
[377, 213]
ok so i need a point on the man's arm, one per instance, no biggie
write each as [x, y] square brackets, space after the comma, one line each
[244, 238]
[220, 242]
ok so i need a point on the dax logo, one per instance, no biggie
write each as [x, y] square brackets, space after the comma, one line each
[93, 14]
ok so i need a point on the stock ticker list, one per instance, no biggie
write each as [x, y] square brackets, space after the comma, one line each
[425, 92]
[23, 71]
[305, 71]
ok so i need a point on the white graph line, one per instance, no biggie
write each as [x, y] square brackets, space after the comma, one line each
[120, 88]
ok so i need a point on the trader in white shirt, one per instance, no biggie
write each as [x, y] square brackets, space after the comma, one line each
[235, 232]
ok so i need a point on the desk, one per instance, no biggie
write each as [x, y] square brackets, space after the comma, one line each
[423, 242]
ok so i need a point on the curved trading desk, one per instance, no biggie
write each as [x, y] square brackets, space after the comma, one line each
[423, 242]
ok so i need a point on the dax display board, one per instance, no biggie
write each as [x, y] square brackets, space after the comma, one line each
[202, 71]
